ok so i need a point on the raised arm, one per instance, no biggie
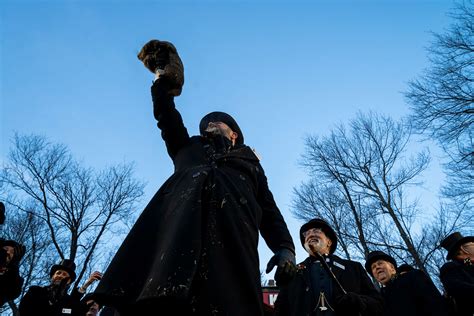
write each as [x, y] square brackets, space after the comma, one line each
[169, 119]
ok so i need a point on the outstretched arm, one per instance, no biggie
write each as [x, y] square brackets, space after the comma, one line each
[169, 119]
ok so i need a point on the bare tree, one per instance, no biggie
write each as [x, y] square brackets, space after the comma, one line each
[366, 166]
[442, 101]
[77, 206]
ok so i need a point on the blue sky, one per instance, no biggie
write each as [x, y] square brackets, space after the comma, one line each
[283, 69]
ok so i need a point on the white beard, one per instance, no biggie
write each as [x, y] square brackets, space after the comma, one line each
[318, 245]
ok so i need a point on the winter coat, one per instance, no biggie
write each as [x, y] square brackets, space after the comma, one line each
[458, 281]
[196, 240]
[413, 294]
[297, 298]
[36, 301]
[10, 285]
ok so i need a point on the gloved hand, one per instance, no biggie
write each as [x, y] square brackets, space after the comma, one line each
[285, 261]
[349, 303]
[161, 96]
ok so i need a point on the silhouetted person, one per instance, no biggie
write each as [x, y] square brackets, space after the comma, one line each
[54, 299]
[410, 293]
[11, 282]
[457, 275]
[314, 291]
[193, 250]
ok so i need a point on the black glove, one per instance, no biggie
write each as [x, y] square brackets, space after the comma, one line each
[285, 261]
[348, 303]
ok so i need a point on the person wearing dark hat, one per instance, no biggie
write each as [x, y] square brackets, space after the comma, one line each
[408, 293]
[11, 282]
[325, 284]
[457, 275]
[193, 250]
[54, 299]
[90, 305]
[404, 268]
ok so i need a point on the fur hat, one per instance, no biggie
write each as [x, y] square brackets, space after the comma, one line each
[224, 118]
[163, 55]
[328, 231]
[378, 255]
[67, 265]
[453, 242]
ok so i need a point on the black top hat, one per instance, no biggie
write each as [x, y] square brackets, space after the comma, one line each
[320, 223]
[452, 243]
[224, 118]
[378, 255]
[405, 268]
[67, 265]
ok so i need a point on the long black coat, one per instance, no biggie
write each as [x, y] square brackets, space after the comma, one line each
[35, 302]
[10, 285]
[413, 294]
[197, 238]
[458, 281]
[298, 299]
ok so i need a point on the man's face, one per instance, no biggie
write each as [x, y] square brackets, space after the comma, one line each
[220, 128]
[466, 250]
[316, 240]
[60, 275]
[10, 253]
[382, 271]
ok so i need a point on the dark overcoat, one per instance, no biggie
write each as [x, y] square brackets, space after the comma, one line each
[458, 281]
[10, 285]
[298, 299]
[36, 302]
[196, 240]
[413, 294]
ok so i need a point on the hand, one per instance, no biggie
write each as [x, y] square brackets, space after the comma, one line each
[95, 276]
[285, 261]
[348, 303]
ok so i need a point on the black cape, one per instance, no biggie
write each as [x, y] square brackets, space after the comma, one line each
[413, 294]
[36, 302]
[196, 241]
[458, 281]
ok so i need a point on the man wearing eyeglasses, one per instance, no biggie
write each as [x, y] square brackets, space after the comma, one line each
[326, 285]
[457, 275]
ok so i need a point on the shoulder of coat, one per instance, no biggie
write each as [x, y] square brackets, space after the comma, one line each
[256, 154]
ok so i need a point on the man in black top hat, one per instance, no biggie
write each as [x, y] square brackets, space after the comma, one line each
[411, 293]
[11, 282]
[457, 275]
[326, 285]
[193, 250]
[54, 299]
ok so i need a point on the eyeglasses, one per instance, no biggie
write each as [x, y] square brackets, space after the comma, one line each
[312, 231]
